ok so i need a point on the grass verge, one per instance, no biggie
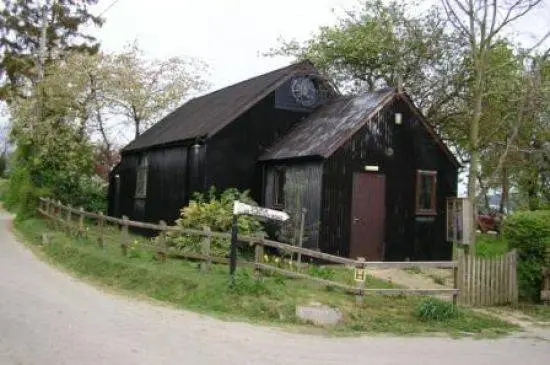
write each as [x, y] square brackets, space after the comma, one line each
[271, 300]
[539, 312]
[489, 245]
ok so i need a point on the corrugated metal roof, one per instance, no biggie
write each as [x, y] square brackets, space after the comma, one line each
[321, 133]
[206, 115]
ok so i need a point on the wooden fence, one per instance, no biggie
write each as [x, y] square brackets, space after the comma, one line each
[64, 216]
[487, 281]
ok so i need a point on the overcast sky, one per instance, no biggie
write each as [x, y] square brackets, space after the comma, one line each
[231, 35]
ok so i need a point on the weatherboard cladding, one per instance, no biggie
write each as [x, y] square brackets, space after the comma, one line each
[206, 115]
[328, 127]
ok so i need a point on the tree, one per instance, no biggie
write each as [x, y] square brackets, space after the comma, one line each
[143, 90]
[530, 170]
[381, 43]
[481, 23]
[81, 84]
[33, 33]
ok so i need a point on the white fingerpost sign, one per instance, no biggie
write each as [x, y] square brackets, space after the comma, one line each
[242, 208]
[245, 209]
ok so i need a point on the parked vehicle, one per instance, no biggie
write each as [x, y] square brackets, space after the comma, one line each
[491, 221]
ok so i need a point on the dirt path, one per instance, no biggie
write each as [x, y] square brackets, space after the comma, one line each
[49, 318]
[440, 278]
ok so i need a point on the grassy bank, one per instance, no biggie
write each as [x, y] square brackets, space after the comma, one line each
[490, 245]
[271, 300]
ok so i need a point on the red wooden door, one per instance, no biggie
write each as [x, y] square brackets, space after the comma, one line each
[368, 212]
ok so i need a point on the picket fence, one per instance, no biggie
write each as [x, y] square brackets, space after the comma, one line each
[487, 281]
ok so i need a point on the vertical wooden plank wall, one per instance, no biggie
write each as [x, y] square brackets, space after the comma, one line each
[485, 281]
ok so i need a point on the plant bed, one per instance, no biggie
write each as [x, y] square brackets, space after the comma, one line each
[272, 299]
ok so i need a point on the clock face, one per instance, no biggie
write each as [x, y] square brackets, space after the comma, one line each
[304, 91]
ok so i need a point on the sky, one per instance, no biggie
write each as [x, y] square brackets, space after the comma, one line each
[229, 35]
[232, 35]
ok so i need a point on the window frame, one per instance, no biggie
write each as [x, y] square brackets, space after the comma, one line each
[142, 173]
[279, 180]
[433, 194]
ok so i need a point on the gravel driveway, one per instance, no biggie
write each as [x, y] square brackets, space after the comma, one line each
[49, 318]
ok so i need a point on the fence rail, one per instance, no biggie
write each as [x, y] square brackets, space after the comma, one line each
[488, 281]
[62, 215]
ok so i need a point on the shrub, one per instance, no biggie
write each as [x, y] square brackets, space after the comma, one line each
[214, 211]
[432, 309]
[21, 196]
[89, 192]
[3, 164]
[529, 233]
[322, 272]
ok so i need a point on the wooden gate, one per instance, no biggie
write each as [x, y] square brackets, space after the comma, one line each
[487, 281]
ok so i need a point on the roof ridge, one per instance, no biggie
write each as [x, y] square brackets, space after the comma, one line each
[292, 65]
[206, 115]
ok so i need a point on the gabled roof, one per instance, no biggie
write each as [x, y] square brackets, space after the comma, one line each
[326, 129]
[206, 115]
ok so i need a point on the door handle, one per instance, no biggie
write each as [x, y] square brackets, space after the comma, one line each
[355, 219]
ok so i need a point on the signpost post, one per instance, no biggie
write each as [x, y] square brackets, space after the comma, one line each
[245, 209]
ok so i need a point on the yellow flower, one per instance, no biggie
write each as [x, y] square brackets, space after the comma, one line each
[266, 258]
[277, 260]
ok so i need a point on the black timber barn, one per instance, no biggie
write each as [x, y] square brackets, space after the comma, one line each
[370, 170]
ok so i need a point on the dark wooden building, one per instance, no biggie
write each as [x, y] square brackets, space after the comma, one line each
[369, 169]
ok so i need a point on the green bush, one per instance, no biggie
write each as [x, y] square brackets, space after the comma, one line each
[89, 192]
[322, 272]
[529, 233]
[215, 211]
[3, 164]
[432, 309]
[21, 196]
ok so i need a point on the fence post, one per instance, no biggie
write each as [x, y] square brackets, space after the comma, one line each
[101, 224]
[360, 282]
[514, 281]
[161, 243]
[59, 219]
[48, 208]
[68, 219]
[205, 249]
[301, 240]
[81, 230]
[124, 236]
[455, 283]
[60, 208]
[258, 256]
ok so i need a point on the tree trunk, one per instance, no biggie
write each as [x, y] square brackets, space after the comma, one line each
[504, 206]
[474, 150]
[136, 125]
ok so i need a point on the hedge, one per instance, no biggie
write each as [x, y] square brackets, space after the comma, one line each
[529, 233]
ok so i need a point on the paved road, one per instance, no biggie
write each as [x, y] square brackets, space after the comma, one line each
[49, 318]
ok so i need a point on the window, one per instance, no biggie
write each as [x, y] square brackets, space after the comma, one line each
[141, 178]
[279, 187]
[426, 192]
